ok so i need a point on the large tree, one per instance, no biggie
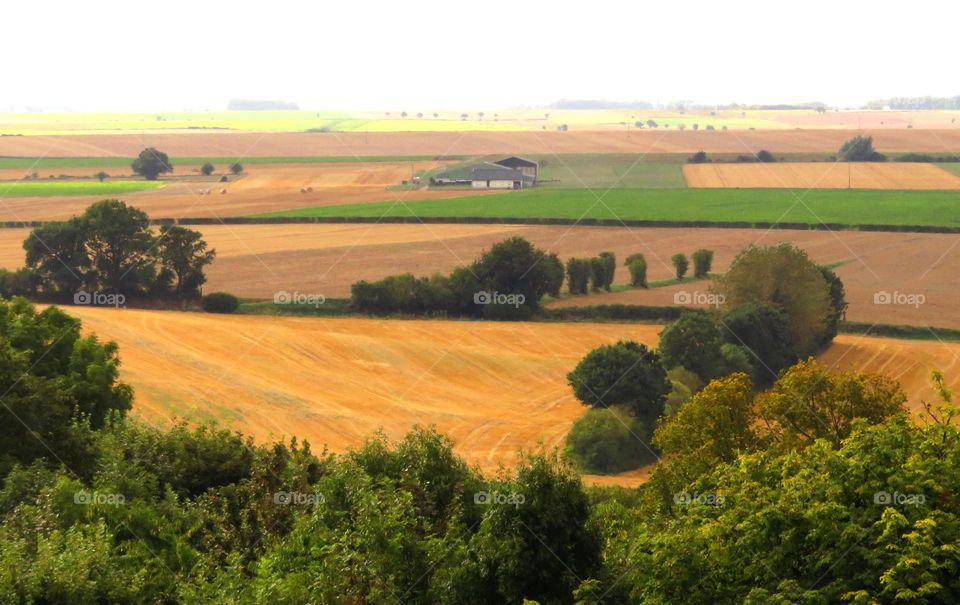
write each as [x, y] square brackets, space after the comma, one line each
[119, 244]
[183, 253]
[57, 252]
[626, 373]
[151, 163]
[782, 276]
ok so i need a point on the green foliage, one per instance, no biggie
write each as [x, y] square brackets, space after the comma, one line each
[207, 169]
[111, 247]
[860, 149]
[694, 342]
[680, 265]
[236, 168]
[151, 163]
[609, 440]
[765, 156]
[553, 272]
[763, 330]
[219, 302]
[838, 302]
[782, 276]
[579, 274]
[637, 265]
[625, 373]
[101, 176]
[598, 273]
[53, 378]
[699, 157]
[702, 262]
[608, 262]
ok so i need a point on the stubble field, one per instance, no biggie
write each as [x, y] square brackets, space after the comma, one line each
[822, 175]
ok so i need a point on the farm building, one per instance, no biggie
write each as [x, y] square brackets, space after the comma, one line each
[509, 173]
[494, 176]
[527, 167]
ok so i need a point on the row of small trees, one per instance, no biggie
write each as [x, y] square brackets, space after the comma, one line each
[591, 274]
[152, 162]
[777, 307]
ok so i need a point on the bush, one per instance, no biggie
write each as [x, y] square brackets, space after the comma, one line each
[702, 262]
[860, 149]
[608, 441]
[236, 168]
[699, 157]
[578, 275]
[206, 169]
[680, 265]
[220, 302]
[609, 262]
[637, 266]
[598, 273]
[765, 156]
[625, 373]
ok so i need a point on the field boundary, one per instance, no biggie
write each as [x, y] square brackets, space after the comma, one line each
[487, 220]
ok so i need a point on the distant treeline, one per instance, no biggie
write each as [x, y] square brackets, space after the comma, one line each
[916, 103]
[600, 104]
[259, 105]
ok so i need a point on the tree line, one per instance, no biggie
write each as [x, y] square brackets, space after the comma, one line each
[818, 490]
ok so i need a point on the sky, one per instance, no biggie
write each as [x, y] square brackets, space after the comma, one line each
[424, 55]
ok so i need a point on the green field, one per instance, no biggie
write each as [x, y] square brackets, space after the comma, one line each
[41, 164]
[58, 188]
[953, 167]
[846, 207]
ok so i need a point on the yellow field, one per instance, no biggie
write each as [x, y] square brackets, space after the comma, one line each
[821, 175]
[493, 387]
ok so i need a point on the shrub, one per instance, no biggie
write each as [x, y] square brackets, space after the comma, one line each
[860, 149]
[680, 265]
[609, 262]
[765, 156]
[702, 262]
[699, 157]
[236, 168]
[206, 169]
[578, 275]
[609, 440]
[637, 265]
[598, 273]
[220, 302]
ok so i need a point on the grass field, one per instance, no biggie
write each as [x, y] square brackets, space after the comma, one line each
[932, 208]
[70, 188]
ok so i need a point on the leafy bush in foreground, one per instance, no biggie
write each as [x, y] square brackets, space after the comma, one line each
[220, 302]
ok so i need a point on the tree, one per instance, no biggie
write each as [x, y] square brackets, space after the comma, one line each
[680, 265]
[184, 253]
[52, 377]
[838, 302]
[808, 403]
[626, 373]
[699, 157]
[765, 156]
[860, 149]
[554, 271]
[782, 276]
[236, 168]
[515, 266]
[763, 330]
[693, 342]
[702, 263]
[609, 263]
[207, 169]
[151, 163]
[57, 253]
[101, 176]
[119, 245]
[579, 271]
[637, 265]
[598, 273]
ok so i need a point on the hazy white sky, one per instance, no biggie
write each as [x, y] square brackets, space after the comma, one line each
[169, 55]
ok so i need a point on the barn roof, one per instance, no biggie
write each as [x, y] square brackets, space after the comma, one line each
[493, 172]
[516, 162]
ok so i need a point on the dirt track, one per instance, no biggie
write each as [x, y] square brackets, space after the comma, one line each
[820, 140]
[821, 175]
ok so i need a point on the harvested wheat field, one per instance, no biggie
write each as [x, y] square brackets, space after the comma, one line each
[493, 387]
[263, 188]
[351, 144]
[821, 175]
[258, 260]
